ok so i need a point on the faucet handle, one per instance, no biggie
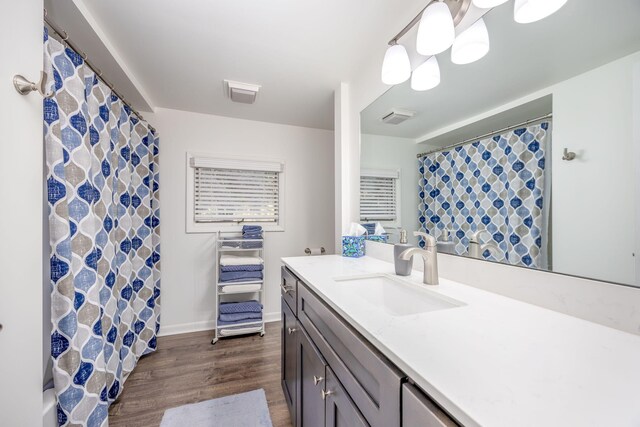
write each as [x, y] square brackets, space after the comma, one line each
[475, 237]
[430, 241]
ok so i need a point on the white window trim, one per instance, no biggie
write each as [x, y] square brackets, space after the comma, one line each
[194, 160]
[387, 173]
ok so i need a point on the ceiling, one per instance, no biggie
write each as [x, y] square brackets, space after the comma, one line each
[523, 59]
[179, 52]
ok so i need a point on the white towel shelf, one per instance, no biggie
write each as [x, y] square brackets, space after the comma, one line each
[233, 243]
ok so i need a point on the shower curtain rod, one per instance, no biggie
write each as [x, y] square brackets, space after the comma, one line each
[64, 38]
[486, 135]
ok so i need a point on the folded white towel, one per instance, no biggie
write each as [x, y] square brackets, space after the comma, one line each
[230, 289]
[240, 260]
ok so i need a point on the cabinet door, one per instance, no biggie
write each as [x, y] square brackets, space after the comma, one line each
[340, 411]
[289, 358]
[419, 411]
[311, 377]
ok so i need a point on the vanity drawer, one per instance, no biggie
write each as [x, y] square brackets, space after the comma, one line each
[419, 411]
[289, 289]
[371, 381]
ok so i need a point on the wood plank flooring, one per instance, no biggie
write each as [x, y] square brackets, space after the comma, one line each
[188, 369]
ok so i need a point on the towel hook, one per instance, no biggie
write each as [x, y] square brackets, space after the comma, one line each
[568, 155]
[25, 87]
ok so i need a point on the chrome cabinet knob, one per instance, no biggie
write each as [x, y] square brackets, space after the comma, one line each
[317, 380]
[326, 393]
[292, 330]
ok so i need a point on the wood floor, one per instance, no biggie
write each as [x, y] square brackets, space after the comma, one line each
[188, 369]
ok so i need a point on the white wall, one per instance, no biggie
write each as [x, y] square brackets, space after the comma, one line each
[386, 152]
[188, 260]
[594, 196]
[20, 217]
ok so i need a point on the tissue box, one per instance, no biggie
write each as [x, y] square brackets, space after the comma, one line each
[382, 238]
[353, 246]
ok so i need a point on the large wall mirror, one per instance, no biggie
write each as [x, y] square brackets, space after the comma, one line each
[528, 156]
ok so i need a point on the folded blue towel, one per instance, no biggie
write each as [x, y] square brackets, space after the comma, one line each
[228, 276]
[251, 245]
[242, 245]
[251, 228]
[235, 317]
[230, 268]
[249, 236]
[241, 280]
[251, 306]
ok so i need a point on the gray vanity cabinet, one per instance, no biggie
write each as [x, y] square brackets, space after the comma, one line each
[331, 375]
[419, 411]
[289, 288]
[340, 411]
[311, 383]
[289, 335]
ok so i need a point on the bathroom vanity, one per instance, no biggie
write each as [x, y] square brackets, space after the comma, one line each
[363, 347]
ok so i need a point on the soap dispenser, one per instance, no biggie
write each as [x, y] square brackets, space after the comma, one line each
[446, 244]
[403, 268]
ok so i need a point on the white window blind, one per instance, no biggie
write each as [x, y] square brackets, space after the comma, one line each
[236, 195]
[378, 198]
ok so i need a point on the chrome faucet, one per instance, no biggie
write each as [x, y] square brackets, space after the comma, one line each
[476, 249]
[429, 256]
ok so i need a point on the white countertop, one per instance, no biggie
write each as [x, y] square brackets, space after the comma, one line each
[494, 361]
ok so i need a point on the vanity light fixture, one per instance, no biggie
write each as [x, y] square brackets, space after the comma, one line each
[436, 31]
[527, 11]
[426, 76]
[471, 45]
[396, 67]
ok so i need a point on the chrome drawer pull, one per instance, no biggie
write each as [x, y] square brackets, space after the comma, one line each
[316, 380]
[285, 290]
[292, 330]
[325, 394]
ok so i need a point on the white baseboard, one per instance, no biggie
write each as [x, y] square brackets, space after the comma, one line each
[207, 325]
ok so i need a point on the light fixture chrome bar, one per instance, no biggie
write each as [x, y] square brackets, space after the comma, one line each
[458, 10]
[64, 39]
[486, 135]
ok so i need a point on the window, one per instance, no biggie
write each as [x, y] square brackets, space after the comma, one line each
[224, 194]
[379, 196]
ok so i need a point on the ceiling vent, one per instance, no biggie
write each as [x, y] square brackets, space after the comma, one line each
[395, 117]
[244, 93]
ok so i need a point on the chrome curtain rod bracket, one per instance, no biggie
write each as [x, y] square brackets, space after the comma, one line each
[24, 87]
[486, 135]
[568, 155]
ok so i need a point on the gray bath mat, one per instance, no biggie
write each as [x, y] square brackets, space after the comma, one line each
[238, 410]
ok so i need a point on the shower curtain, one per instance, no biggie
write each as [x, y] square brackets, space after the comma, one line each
[497, 185]
[102, 185]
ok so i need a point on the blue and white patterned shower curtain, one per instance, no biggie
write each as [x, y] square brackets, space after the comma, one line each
[497, 185]
[102, 181]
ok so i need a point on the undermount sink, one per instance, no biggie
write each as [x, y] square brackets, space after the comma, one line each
[396, 296]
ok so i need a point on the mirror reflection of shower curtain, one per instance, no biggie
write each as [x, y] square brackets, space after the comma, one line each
[498, 185]
[102, 188]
